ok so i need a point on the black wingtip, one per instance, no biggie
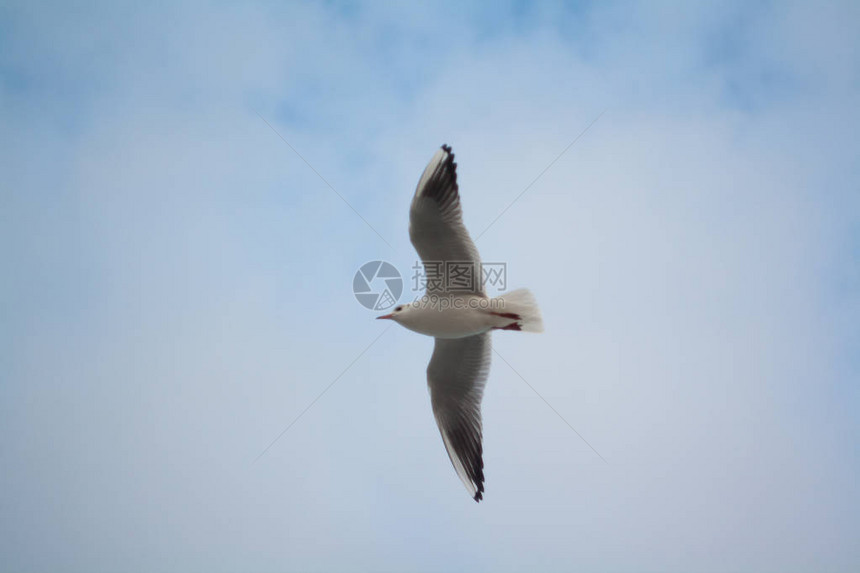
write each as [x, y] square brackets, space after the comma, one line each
[447, 149]
[479, 495]
[449, 161]
[440, 179]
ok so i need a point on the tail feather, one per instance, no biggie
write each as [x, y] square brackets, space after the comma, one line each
[522, 304]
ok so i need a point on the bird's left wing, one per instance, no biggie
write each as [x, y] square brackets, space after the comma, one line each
[436, 224]
[456, 376]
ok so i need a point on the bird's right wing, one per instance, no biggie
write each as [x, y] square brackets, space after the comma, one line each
[436, 223]
[456, 376]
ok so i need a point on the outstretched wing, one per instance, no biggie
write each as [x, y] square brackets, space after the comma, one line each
[456, 376]
[436, 224]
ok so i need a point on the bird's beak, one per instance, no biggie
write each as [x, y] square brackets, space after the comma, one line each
[385, 316]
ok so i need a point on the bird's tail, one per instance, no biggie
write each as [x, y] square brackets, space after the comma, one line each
[521, 307]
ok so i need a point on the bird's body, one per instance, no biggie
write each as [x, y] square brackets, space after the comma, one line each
[460, 316]
[459, 319]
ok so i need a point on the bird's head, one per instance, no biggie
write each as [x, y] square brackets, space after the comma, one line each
[397, 314]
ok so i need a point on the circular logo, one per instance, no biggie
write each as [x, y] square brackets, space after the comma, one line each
[377, 285]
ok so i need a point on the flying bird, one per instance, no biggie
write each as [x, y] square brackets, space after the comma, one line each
[459, 315]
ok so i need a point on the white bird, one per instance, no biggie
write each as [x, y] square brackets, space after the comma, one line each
[459, 318]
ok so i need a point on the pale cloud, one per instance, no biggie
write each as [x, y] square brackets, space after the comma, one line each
[178, 286]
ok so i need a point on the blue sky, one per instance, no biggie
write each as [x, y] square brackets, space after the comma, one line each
[177, 285]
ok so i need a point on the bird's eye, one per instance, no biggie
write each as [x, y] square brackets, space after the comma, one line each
[398, 309]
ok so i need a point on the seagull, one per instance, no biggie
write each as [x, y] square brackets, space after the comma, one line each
[459, 315]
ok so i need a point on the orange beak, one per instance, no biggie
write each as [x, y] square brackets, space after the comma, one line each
[385, 316]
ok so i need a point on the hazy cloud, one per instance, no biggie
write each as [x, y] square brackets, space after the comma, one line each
[177, 286]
